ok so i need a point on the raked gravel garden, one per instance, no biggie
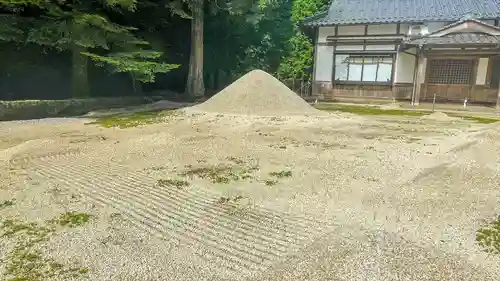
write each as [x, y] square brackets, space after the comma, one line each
[255, 192]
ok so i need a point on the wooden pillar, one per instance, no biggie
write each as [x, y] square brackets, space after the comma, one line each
[472, 88]
[394, 89]
[417, 81]
[498, 98]
[315, 90]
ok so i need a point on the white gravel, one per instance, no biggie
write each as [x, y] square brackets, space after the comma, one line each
[398, 199]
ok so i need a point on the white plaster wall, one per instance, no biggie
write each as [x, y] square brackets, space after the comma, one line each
[377, 29]
[323, 63]
[405, 67]
[380, 47]
[404, 28]
[351, 29]
[349, 47]
[433, 26]
[482, 69]
[325, 31]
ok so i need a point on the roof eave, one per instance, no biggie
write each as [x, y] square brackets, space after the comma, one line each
[314, 17]
[313, 24]
[460, 46]
[452, 45]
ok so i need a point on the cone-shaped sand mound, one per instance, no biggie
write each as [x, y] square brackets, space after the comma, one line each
[258, 93]
[438, 116]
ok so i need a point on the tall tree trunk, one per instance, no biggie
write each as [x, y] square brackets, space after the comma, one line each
[80, 80]
[195, 86]
[136, 85]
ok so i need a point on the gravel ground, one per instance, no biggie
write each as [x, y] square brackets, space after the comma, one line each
[392, 198]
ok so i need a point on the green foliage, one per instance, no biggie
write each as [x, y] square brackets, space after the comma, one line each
[139, 64]
[240, 35]
[10, 30]
[180, 8]
[243, 41]
[125, 4]
[296, 64]
[265, 36]
[87, 25]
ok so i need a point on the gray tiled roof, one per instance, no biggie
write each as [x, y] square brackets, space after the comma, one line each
[460, 38]
[474, 21]
[391, 11]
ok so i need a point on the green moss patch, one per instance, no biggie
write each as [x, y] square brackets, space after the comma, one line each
[281, 174]
[373, 110]
[482, 120]
[71, 219]
[488, 237]
[220, 173]
[29, 265]
[270, 182]
[172, 182]
[277, 176]
[13, 228]
[368, 110]
[225, 200]
[24, 262]
[131, 120]
[6, 203]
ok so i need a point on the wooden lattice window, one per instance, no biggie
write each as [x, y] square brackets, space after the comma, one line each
[450, 71]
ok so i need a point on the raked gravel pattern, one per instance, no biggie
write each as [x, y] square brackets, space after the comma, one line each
[356, 198]
[247, 243]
